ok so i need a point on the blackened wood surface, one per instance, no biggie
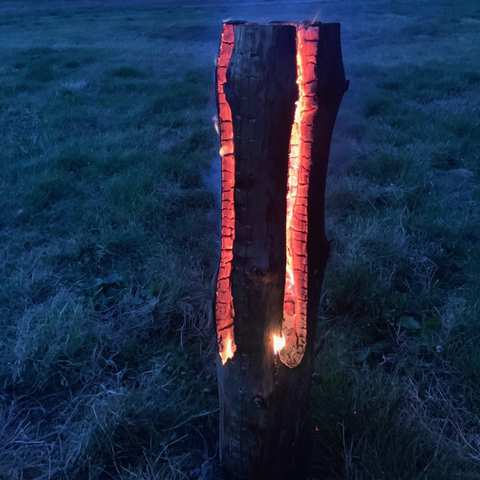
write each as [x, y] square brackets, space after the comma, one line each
[263, 403]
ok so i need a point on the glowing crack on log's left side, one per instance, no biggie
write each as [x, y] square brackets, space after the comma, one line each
[224, 312]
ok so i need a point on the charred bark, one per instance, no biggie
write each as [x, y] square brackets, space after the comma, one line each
[264, 403]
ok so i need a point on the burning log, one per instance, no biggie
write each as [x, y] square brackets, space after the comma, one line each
[279, 90]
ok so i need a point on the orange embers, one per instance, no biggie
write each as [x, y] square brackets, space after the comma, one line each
[291, 345]
[224, 311]
[294, 327]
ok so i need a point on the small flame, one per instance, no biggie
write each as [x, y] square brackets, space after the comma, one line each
[215, 124]
[228, 352]
[278, 344]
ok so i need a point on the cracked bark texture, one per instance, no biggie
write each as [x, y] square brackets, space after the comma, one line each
[224, 310]
[264, 403]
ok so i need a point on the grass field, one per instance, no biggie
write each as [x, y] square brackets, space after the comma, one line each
[109, 239]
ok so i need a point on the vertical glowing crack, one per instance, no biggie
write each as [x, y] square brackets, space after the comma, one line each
[294, 326]
[224, 311]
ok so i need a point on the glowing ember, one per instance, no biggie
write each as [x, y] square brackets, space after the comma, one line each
[278, 344]
[294, 327]
[224, 311]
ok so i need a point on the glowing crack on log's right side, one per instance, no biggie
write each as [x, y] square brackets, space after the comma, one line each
[294, 325]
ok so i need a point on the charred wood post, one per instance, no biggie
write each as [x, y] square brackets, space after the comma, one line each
[279, 90]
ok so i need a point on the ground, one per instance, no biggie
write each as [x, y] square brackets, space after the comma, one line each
[109, 238]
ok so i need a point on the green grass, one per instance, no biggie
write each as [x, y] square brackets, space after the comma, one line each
[109, 239]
